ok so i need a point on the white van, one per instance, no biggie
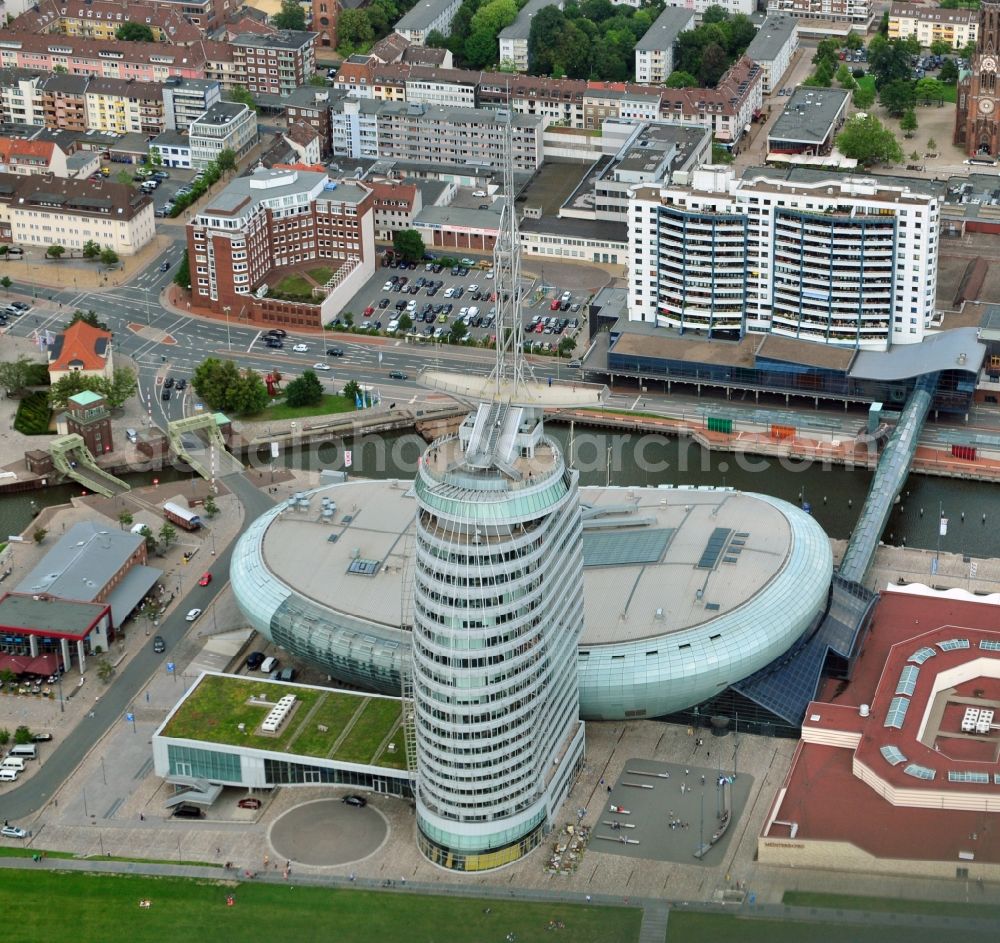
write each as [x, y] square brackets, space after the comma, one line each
[12, 762]
[27, 751]
[7, 775]
[268, 665]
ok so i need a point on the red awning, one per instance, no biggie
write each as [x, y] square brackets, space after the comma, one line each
[16, 663]
[25, 664]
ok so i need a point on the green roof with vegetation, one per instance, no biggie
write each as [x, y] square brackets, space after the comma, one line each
[340, 725]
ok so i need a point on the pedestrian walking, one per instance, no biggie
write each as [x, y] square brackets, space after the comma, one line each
[267, 859]
[142, 817]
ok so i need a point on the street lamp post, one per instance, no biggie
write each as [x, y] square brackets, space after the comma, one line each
[227, 310]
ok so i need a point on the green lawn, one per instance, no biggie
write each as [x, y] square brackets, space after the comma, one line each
[334, 711]
[219, 705]
[294, 285]
[937, 908]
[85, 908]
[320, 275]
[867, 82]
[369, 730]
[330, 404]
[685, 927]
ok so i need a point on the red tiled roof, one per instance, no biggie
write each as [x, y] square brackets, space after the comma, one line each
[80, 346]
[15, 148]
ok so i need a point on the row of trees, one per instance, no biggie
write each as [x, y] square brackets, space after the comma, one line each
[91, 251]
[224, 164]
[358, 29]
[702, 55]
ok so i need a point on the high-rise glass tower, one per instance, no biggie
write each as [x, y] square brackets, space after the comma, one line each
[497, 613]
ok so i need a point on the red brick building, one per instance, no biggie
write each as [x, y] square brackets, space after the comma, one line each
[977, 115]
[274, 220]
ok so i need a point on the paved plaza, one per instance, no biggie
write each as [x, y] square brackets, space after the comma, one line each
[327, 832]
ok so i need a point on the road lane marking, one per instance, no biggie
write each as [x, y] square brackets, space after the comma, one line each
[256, 338]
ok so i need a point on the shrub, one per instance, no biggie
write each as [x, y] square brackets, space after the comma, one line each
[33, 414]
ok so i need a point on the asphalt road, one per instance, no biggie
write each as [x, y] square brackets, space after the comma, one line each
[121, 694]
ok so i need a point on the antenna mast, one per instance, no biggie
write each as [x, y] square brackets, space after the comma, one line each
[510, 371]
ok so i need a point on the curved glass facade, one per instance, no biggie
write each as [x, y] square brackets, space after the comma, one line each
[651, 677]
[497, 617]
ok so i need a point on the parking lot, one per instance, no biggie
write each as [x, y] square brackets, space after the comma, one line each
[435, 298]
[170, 180]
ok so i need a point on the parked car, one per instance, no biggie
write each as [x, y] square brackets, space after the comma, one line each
[249, 802]
[254, 660]
[192, 615]
[352, 799]
[159, 645]
[188, 812]
[206, 578]
[42, 737]
[13, 831]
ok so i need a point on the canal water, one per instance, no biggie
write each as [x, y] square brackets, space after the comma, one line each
[835, 494]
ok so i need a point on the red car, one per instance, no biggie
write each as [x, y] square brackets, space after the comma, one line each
[369, 311]
[554, 306]
[249, 802]
[206, 578]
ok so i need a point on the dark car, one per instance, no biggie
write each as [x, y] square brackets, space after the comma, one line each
[275, 343]
[397, 375]
[384, 303]
[165, 394]
[254, 660]
[181, 384]
[355, 800]
[335, 351]
[188, 812]
[277, 332]
[159, 645]
[168, 382]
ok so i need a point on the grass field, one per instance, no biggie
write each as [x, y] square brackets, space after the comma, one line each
[726, 928]
[369, 730]
[333, 712]
[329, 405]
[84, 908]
[33, 414]
[937, 908]
[294, 285]
[320, 275]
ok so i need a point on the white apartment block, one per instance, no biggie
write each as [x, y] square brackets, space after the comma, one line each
[654, 52]
[930, 24]
[425, 17]
[427, 90]
[848, 261]
[224, 125]
[732, 7]
[773, 48]
[401, 131]
[513, 39]
[856, 12]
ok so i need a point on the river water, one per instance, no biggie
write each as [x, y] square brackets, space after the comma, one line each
[835, 494]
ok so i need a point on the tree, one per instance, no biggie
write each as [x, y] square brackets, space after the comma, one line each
[680, 79]
[853, 41]
[405, 322]
[318, 79]
[713, 64]
[5, 283]
[120, 388]
[897, 97]
[715, 14]
[931, 147]
[59, 69]
[547, 26]
[436, 39]
[135, 33]
[566, 346]
[241, 95]
[864, 97]
[355, 30]
[182, 277]
[949, 72]
[929, 89]
[889, 60]
[15, 375]
[844, 77]
[211, 379]
[290, 16]
[105, 670]
[4, 732]
[39, 535]
[124, 178]
[305, 390]
[22, 735]
[125, 519]
[908, 123]
[409, 244]
[210, 507]
[351, 390]
[226, 161]
[458, 332]
[145, 532]
[167, 534]
[868, 141]
[88, 317]
[109, 257]
[249, 395]
[55, 251]
[91, 249]
[940, 47]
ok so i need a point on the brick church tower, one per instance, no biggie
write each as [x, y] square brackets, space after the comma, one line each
[325, 14]
[977, 117]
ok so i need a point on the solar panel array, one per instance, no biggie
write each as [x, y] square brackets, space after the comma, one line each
[921, 655]
[897, 712]
[908, 680]
[364, 567]
[716, 542]
[989, 645]
[893, 755]
[919, 772]
[625, 548]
